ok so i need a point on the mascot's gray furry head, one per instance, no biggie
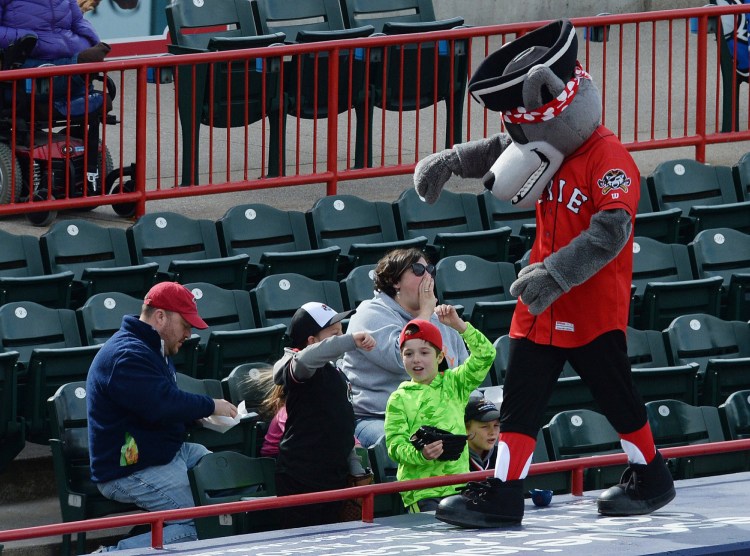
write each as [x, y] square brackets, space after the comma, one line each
[549, 104]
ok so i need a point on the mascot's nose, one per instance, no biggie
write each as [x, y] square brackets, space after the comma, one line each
[488, 181]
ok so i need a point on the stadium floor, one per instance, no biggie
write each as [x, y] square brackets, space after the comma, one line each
[708, 516]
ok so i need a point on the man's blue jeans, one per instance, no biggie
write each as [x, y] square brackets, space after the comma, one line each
[162, 487]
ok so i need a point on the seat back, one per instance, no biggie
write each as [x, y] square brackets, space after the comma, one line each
[684, 183]
[256, 228]
[229, 477]
[735, 415]
[723, 377]
[720, 252]
[453, 212]
[22, 275]
[521, 221]
[466, 279]
[12, 431]
[221, 309]
[675, 423]
[678, 382]
[304, 15]
[277, 297]
[358, 285]
[343, 220]
[741, 174]
[654, 261]
[236, 439]
[193, 24]
[249, 382]
[79, 497]
[101, 316]
[233, 94]
[166, 236]
[307, 75]
[379, 12]
[580, 433]
[699, 338]
[25, 326]
[646, 348]
[20, 256]
[47, 370]
[275, 241]
[79, 244]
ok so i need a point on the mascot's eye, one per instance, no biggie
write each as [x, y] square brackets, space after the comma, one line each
[516, 133]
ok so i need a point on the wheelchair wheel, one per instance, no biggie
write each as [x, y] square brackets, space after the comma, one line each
[112, 186]
[8, 165]
[41, 218]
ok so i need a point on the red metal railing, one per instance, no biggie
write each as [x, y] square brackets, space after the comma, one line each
[660, 85]
[367, 493]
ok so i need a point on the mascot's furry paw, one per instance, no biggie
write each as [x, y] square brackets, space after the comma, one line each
[536, 287]
[432, 172]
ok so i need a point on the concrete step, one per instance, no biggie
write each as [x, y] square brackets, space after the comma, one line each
[28, 498]
[28, 477]
[45, 511]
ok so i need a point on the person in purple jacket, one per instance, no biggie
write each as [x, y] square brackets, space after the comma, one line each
[63, 35]
[137, 414]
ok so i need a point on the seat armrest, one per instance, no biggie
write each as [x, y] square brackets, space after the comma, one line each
[240, 43]
[338, 34]
[403, 28]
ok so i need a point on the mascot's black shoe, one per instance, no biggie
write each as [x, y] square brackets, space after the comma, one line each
[643, 489]
[485, 504]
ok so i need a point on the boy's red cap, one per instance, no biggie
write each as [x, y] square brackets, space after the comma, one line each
[172, 296]
[418, 329]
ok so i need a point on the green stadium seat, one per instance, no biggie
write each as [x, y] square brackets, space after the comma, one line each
[452, 225]
[276, 241]
[675, 423]
[79, 497]
[223, 477]
[580, 433]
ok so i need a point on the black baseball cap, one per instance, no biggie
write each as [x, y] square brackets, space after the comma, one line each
[310, 319]
[481, 409]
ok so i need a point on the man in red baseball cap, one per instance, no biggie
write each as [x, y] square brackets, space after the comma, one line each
[137, 414]
[178, 305]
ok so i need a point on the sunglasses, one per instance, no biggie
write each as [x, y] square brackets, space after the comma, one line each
[418, 269]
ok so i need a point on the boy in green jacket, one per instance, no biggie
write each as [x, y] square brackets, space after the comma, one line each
[432, 399]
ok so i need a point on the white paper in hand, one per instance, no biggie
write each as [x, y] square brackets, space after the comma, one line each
[223, 424]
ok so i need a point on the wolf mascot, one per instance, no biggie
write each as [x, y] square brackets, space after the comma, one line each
[574, 295]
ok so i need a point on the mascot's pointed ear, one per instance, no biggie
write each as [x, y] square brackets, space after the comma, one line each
[540, 87]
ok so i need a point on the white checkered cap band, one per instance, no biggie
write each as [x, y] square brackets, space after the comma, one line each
[320, 312]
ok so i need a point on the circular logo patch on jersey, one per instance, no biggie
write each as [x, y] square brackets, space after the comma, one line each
[613, 180]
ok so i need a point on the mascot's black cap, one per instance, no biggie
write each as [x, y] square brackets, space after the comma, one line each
[498, 81]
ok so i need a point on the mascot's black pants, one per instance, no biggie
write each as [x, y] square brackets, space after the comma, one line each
[603, 365]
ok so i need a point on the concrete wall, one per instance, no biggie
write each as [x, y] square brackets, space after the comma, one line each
[492, 12]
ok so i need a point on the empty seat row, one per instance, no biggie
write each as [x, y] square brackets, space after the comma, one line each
[80, 258]
[682, 197]
[583, 432]
[698, 359]
[231, 96]
[711, 274]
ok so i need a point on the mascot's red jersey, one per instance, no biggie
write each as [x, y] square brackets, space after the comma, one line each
[600, 175]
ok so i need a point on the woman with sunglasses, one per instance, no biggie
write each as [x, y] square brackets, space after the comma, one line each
[404, 290]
